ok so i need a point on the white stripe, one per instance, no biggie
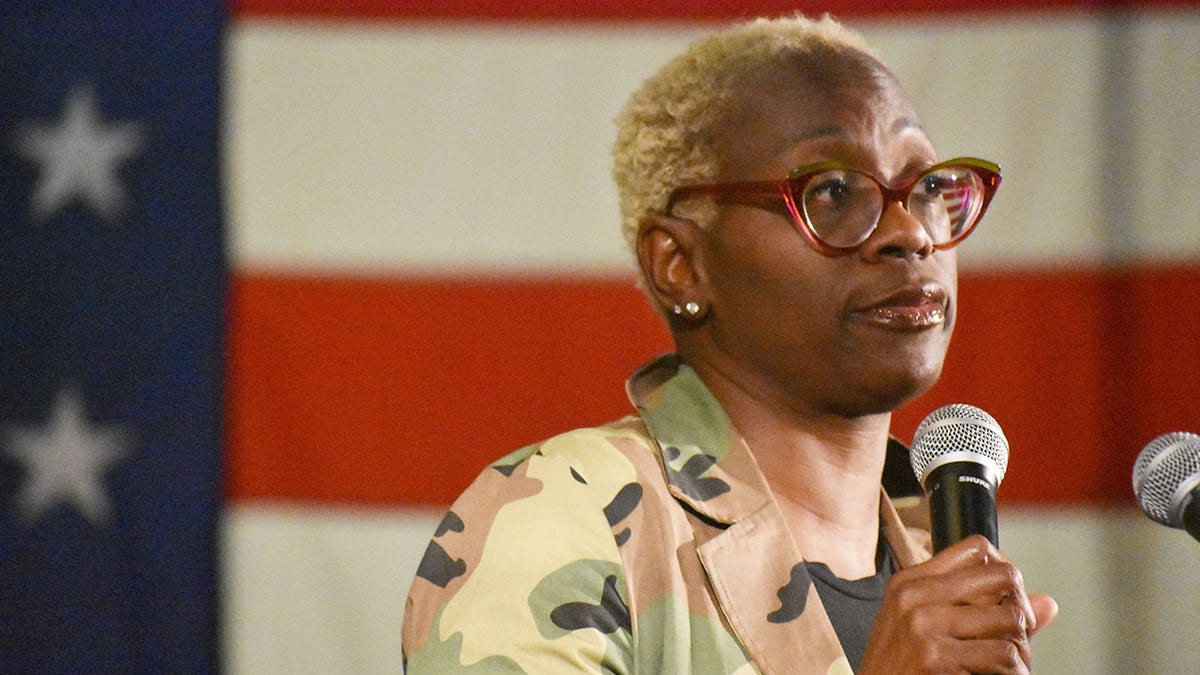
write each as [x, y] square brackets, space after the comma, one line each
[313, 589]
[421, 148]
[1166, 138]
[1126, 589]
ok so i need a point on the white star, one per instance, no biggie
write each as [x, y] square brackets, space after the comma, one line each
[79, 158]
[65, 461]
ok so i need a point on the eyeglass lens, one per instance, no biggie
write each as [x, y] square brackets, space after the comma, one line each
[843, 206]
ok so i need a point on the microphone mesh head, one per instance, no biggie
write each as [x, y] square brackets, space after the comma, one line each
[958, 433]
[1154, 451]
[1165, 471]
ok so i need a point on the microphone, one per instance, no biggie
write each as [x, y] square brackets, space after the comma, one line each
[959, 455]
[1166, 481]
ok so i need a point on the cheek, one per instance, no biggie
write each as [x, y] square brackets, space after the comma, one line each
[773, 282]
[950, 281]
[763, 248]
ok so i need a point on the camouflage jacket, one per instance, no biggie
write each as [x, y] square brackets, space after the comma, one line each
[649, 545]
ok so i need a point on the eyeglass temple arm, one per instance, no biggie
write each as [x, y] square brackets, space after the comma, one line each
[749, 193]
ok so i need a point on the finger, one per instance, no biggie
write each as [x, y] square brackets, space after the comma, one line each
[928, 581]
[974, 550]
[993, 656]
[978, 574]
[994, 580]
[987, 622]
[1045, 608]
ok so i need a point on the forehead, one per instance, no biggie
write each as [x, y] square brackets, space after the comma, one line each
[845, 101]
[825, 67]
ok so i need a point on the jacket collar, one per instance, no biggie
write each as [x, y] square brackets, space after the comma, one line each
[708, 466]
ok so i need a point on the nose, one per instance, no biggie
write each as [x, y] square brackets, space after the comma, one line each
[898, 235]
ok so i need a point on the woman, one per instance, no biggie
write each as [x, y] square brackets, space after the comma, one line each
[737, 523]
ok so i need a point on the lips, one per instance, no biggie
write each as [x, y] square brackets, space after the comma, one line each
[911, 308]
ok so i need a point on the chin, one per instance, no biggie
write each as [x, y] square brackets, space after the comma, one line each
[913, 372]
[886, 389]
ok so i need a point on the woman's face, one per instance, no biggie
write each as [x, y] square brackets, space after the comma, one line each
[851, 335]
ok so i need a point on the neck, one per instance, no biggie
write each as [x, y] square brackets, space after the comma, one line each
[826, 479]
[823, 469]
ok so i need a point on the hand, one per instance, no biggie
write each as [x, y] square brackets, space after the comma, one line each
[963, 611]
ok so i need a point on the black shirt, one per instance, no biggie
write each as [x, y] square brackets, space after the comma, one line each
[853, 605]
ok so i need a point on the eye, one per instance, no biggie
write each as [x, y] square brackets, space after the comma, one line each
[828, 189]
[931, 186]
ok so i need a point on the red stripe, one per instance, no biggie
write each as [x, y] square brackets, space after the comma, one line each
[383, 391]
[1081, 369]
[661, 10]
[399, 391]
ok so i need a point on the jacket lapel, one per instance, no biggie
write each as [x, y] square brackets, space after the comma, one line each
[765, 592]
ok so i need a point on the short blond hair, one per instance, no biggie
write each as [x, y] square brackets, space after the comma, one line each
[665, 131]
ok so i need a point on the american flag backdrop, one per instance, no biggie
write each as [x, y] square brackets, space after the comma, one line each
[232, 451]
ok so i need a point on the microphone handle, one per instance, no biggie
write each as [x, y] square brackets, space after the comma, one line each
[962, 502]
[1191, 514]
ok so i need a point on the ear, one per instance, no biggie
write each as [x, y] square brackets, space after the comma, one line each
[669, 253]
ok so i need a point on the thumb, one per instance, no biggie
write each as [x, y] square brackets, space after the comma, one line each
[1044, 610]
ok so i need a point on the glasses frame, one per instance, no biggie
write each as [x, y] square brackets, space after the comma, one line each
[768, 193]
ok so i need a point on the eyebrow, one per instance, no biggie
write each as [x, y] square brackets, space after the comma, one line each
[909, 123]
[807, 134]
